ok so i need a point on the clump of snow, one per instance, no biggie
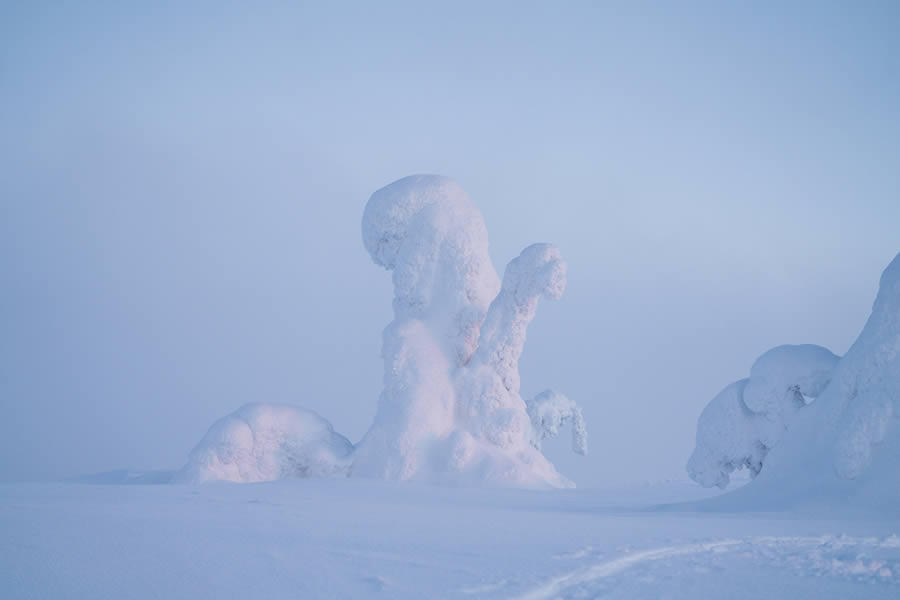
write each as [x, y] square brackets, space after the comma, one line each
[749, 417]
[787, 378]
[266, 442]
[727, 439]
[426, 231]
[450, 409]
[549, 411]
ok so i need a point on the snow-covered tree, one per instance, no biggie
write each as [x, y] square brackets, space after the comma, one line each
[843, 448]
[450, 409]
[265, 442]
[864, 403]
[749, 417]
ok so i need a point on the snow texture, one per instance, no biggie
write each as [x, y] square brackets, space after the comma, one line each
[356, 538]
[845, 447]
[749, 417]
[549, 411]
[450, 410]
[266, 442]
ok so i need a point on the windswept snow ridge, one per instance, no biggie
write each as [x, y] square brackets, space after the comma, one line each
[265, 442]
[450, 410]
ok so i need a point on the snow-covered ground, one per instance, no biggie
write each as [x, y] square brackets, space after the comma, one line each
[357, 538]
[320, 517]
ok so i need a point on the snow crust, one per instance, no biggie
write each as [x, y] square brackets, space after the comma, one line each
[266, 442]
[450, 410]
[844, 448]
[749, 417]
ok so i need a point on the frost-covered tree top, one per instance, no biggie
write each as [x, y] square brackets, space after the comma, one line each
[845, 445]
[450, 410]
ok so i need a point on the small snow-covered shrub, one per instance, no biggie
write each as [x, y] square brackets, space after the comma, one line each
[550, 411]
[265, 442]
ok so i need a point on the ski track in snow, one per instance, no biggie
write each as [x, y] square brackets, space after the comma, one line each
[606, 569]
[821, 555]
[360, 539]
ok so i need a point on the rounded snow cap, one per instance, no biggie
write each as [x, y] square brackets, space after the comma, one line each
[390, 210]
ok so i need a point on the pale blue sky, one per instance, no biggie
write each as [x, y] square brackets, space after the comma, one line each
[182, 189]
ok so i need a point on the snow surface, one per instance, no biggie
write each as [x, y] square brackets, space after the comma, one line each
[357, 538]
[844, 448]
[265, 442]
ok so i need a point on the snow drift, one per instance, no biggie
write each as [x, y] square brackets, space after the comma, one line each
[265, 442]
[450, 410]
[845, 446]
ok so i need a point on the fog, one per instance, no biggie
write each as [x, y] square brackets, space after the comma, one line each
[182, 189]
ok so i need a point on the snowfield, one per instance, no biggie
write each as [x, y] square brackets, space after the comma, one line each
[448, 494]
[357, 538]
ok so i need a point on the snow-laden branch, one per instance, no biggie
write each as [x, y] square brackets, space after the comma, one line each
[426, 231]
[549, 412]
[868, 396]
[749, 417]
[538, 271]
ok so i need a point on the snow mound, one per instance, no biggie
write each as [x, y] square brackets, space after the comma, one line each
[739, 427]
[845, 447]
[450, 410]
[266, 442]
